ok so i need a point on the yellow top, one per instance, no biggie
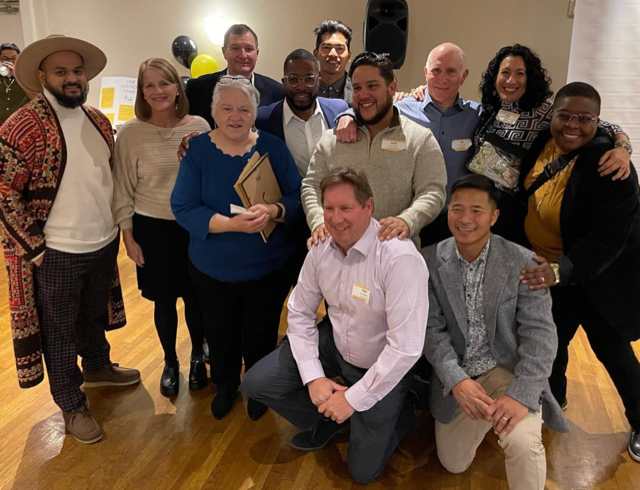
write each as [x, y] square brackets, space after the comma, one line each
[542, 224]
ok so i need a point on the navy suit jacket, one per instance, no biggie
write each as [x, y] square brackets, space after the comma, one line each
[200, 92]
[270, 118]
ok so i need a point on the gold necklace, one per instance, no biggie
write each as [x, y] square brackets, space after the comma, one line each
[7, 88]
[554, 180]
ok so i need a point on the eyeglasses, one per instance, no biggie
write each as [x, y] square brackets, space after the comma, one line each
[566, 117]
[227, 79]
[293, 80]
[326, 49]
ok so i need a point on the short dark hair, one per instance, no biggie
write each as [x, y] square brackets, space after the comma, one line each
[332, 27]
[480, 182]
[4, 46]
[578, 89]
[345, 175]
[538, 81]
[380, 61]
[239, 30]
[301, 54]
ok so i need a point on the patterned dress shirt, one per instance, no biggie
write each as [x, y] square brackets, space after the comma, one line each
[478, 358]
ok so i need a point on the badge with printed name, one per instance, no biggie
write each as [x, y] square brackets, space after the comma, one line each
[507, 117]
[394, 145]
[361, 293]
[461, 145]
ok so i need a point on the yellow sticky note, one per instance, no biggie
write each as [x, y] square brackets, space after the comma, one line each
[111, 117]
[126, 112]
[106, 97]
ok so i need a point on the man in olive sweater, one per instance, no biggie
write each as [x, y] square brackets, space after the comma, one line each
[403, 161]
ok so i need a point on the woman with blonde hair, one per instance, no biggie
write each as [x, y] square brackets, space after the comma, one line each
[145, 170]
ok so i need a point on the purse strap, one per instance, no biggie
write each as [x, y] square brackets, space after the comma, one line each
[560, 164]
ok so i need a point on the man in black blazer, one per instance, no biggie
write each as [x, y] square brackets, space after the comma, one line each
[240, 50]
[301, 117]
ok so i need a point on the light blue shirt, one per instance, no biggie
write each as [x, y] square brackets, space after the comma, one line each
[457, 123]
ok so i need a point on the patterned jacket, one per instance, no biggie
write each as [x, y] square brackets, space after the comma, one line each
[32, 162]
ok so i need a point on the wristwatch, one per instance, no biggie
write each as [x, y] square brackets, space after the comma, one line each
[280, 207]
[556, 270]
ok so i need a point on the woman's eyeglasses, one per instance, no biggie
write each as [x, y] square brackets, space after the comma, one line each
[227, 79]
[566, 117]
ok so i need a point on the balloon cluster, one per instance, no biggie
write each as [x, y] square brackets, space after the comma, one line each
[184, 50]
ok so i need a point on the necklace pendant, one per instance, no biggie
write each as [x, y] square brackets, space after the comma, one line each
[6, 90]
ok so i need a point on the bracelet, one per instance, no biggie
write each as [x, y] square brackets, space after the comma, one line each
[626, 144]
[556, 271]
[280, 210]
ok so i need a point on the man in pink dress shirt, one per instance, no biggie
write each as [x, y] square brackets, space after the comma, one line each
[371, 338]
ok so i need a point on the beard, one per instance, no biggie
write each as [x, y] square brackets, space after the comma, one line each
[379, 116]
[298, 107]
[65, 100]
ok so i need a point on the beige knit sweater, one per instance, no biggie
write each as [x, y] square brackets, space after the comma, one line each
[409, 184]
[145, 168]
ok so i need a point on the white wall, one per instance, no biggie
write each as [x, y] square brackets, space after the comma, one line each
[11, 29]
[132, 31]
[605, 52]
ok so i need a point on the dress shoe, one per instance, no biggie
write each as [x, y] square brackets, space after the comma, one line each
[223, 401]
[255, 409]
[81, 424]
[170, 380]
[111, 375]
[634, 445]
[198, 373]
[318, 435]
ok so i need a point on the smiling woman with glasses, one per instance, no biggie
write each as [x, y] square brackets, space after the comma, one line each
[586, 232]
[241, 281]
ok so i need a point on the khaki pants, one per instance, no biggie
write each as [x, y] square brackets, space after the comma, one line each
[525, 459]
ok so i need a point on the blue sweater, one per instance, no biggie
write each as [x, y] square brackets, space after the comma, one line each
[204, 186]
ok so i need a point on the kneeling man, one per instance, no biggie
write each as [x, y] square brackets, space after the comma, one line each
[491, 341]
[371, 339]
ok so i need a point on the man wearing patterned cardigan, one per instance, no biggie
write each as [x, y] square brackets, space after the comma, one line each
[60, 242]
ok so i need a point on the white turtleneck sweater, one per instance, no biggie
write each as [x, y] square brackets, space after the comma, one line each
[80, 220]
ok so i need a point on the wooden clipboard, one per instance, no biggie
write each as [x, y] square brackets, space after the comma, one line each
[257, 184]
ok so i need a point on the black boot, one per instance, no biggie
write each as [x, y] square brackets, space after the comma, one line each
[223, 400]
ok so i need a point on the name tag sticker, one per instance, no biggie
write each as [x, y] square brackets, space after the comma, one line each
[461, 145]
[393, 145]
[507, 117]
[361, 293]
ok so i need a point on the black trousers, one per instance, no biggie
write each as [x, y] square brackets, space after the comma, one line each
[572, 308]
[375, 433]
[241, 320]
[73, 301]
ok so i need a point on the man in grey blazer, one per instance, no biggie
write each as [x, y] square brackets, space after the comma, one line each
[491, 341]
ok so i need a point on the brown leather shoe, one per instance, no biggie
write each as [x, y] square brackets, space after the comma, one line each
[111, 375]
[81, 425]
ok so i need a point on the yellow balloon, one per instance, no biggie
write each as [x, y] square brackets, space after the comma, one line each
[203, 65]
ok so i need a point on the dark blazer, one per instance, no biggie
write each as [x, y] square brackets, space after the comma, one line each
[270, 117]
[200, 92]
[600, 227]
[520, 328]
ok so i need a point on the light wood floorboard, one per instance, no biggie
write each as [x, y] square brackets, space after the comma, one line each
[152, 442]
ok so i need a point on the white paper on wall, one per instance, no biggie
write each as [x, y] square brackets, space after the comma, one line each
[118, 98]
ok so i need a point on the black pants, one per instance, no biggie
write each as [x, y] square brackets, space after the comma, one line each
[241, 320]
[572, 308]
[375, 433]
[73, 302]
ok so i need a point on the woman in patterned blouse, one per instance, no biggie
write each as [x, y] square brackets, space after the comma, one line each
[517, 106]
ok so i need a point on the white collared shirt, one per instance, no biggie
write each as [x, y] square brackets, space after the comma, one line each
[302, 136]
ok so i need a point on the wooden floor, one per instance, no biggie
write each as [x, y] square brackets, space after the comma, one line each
[152, 442]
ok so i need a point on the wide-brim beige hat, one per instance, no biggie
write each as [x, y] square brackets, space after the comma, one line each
[31, 57]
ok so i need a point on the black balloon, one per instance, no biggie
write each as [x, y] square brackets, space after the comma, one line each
[184, 81]
[185, 50]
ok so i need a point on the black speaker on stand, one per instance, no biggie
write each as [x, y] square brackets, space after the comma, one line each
[386, 28]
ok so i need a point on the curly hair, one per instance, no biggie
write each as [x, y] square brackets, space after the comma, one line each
[538, 81]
